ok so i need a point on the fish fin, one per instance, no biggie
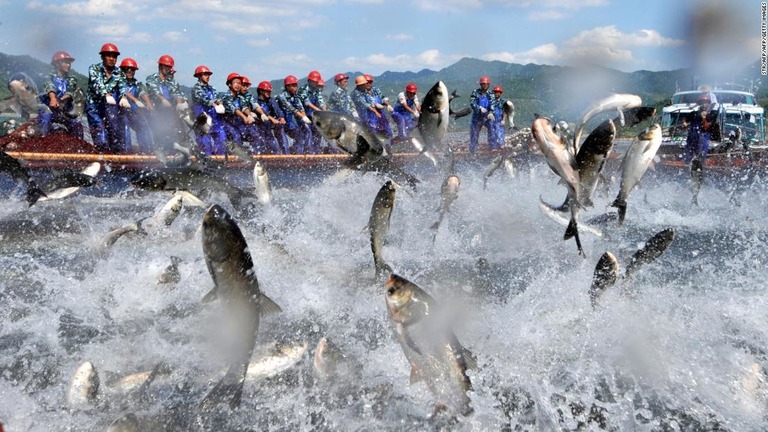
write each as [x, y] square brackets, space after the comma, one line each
[621, 205]
[34, 193]
[415, 375]
[231, 385]
[469, 359]
[571, 230]
[211, 296]
[267, 306]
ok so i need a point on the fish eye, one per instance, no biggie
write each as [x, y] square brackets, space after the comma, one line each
[392, 290]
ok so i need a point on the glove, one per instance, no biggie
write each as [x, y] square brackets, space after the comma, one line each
[379, 106]
[491, 117]
[416, 114]
[140, 104]
[182, 106]
[483, 110]
[264, 118]
[124, 103]
[219, 108]
[390, 109]
[166, 103]
[110, 99]
[306, 120]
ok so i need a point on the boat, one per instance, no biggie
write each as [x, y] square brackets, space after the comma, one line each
[740, 143]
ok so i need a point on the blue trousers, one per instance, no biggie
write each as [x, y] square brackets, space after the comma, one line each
[267, 138]
[476, 124]
[405, 123]
[45, 119]
[697, 145]
[301, 136]
[215, 141]
[106, 126]
[138, 122]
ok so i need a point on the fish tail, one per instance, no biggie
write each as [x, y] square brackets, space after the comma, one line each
[573, 231]
[230, 386]
[621, 205]
[34, 193]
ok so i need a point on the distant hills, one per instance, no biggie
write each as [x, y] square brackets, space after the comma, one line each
[560, 92]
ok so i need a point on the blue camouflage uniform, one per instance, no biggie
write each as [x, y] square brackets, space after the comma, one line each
[251, 131]
[363, 102]
[60, 85]
[106, 126]
[215, 141]
[134, 118]
[268, 131]
[314, 96]
[166, 124]
[382, 123]
[296, 129]
[233, 124]
[699, 131]
[340, 101]
[403, 118]
[497, 123]
[480, 99]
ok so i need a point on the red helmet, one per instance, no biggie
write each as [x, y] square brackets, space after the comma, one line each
[320, 82]
[339, 77]
[485, 80]
[246, 81]
[109, 48]
[498, 89]
[411, 88]
[314, 76]
[166, 60]
[233, 76]
[129, 63]
[264, 85]
[704, 97]
[360, 79]
[202, 69]
[61, 55]
[368, 78]
[290, 79]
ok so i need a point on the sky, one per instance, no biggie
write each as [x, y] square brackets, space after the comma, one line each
[269, 40]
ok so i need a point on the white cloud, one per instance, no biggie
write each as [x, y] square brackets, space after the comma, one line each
[141, 37]
[245, 29]
[111, 30]
[259, 43]
[610, 36]
[542, 54]
[599, 55]
[89, 8]
[173, 36]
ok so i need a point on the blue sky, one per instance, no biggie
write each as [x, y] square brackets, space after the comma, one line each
[268, 40]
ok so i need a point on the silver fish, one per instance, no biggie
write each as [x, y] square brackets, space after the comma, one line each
[494, 165]
[618, 102]
[449, 191]
[435, 116]
[697, 176]
[653, 248]
[331, 364]
[378, 225]
[171, 275]
[261, 182]
[77, 102]
[231, 267]
[435, 355]
[605, 276]
[509, 110]
[84, 386]
[342, 131]
[563, 163]
[634, 165]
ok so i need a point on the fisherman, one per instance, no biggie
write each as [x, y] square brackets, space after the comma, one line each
[407, 110]
[253, 110]
[270, 129]
[364, 104]
[58, 92]
[106, 83]
[340, 101]
[382, 104]
[133, 107]
[496, 138]
[205, 99]
[701, 122]
[235, 118]
[165, 94]
[296, 120]
[481, 102]
[311, 95]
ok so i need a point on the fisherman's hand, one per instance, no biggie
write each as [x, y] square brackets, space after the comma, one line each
[140, 104]
[248, 120]
[165, 102]
[219, 108]
[306, 120]
[110, 100]
[182, 106]
[416, 114]
[491, 117]
[390, 109]
[124, 102]
[483, 110]
[264, 118]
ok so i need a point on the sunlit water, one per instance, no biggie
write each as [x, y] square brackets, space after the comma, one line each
[687, 351]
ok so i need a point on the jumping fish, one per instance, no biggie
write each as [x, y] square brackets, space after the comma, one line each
[378, 225]
[634, 165]
[605, 276]
[619, 102]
